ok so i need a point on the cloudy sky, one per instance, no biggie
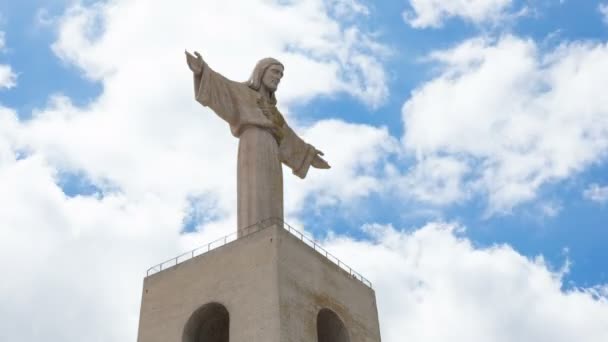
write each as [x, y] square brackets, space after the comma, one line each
[468, 142]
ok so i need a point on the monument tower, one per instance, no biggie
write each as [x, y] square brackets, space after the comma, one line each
[267, 282]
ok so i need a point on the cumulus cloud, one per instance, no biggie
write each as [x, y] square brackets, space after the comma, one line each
[516, 118]
[433, 13]
[603, 8]
[432, 284]
[348, 8]
[153, 156]
[437, 180]
[596, 193]
[354, 174]
[147, 99]
[301, 34]
[85, 255]
[2, 41]
[8, 78]
[550, 209]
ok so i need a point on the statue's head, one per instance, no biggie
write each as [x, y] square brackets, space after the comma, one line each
[267, 72]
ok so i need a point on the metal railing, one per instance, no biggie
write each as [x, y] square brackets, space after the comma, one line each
[250, 230]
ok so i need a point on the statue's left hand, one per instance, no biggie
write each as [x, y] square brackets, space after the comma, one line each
[319, 162]
[195, 62]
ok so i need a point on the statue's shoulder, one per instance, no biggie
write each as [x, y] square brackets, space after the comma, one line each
[246, 91]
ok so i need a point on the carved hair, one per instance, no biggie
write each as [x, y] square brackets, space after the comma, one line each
[255, 81]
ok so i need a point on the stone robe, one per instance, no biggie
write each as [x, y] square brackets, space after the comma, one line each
[265, 141]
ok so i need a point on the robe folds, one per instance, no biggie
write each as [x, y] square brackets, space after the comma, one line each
[265, 142]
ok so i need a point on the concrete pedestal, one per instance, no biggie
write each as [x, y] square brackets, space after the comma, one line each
[268, 286]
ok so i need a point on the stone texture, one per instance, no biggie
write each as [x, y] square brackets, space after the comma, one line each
[273, 286]
[308, 283]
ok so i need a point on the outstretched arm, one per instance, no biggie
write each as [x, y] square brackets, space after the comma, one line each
[212, 89]
[299, 155]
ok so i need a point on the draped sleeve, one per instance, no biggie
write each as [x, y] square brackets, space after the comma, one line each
[296, 153]
[220, 94]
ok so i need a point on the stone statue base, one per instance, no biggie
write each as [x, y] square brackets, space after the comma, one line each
[267, 286]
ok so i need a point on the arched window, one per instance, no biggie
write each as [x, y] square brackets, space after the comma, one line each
[210, 323]
[330, 327]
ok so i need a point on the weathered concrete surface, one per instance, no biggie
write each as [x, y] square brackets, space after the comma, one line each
[241, 276]
[309, 282]
[273, 286]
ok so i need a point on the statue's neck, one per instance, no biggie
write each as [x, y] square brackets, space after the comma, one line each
[266, 94]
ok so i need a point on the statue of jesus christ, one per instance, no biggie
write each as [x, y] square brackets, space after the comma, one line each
[265, 139]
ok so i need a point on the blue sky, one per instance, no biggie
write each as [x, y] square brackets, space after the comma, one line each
[482, 126]
[579, 226]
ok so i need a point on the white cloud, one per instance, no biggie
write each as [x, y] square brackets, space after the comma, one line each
[596, 193]
[150, 148]
[433, 285]
[433, 13]
[517, 118]
[147, 100]
[301, 34]
[348, 8]
[358, 157]
[8, 78]
[603, 8]
[85, 255]
[2, 41]
[436, 180]
[550, 209]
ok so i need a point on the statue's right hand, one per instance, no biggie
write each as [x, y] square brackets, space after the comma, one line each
[319, 162]
[195, 63]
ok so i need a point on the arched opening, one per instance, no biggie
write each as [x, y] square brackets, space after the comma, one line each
[330, 327]
[210, 323]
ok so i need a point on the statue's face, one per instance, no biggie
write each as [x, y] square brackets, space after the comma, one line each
[272, 77]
